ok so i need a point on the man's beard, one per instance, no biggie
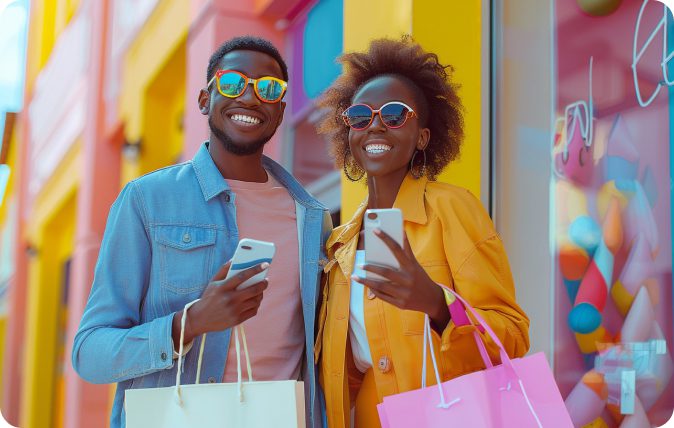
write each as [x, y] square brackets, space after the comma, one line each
[232, 147]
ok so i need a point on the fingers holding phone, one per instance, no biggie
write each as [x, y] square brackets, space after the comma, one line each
[393, 272]
[250, 253]
[235, 292]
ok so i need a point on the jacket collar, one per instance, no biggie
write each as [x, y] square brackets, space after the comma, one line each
[210, 180]
[212, 183]
[410, 200]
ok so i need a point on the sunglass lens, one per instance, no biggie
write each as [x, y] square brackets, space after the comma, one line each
[232, 84]
[358, 116]
[269, 89]
[394, 114]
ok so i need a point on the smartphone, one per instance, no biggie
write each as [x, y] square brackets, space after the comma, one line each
[389, 220]
[250, 253]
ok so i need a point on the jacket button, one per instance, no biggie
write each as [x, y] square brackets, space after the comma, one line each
[370, 294]
[163, 356]
[187, 238]
[211, 379]
[384, 364]
[227, 198]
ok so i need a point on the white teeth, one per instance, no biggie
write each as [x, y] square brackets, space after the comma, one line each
[377, 148]
[246, 119]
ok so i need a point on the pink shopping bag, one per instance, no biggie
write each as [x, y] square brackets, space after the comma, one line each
[518, 393]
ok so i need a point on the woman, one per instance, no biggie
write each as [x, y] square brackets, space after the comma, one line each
[398, 122]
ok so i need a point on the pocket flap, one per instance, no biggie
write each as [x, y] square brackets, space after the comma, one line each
[185, 237]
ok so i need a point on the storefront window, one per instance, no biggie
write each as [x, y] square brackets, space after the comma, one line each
[594, 131]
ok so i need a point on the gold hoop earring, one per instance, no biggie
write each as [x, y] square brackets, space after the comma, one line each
[422, 172]
[346, 170]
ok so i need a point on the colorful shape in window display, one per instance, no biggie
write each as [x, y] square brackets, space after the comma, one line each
[573, 207]
[587, 399]
[571, 288]
[622, 158]
[639, 219]
[599, 7]
[585, 318]
[638, 418]
[573, 157]
[638, 268]
[586, 233]
[658, 379]
[613, 411]
[597, 423]
[650, 186]
[588, 343]
[597, 280]
[609, 191]
[643, 337]
[573, 261]
[639, 321]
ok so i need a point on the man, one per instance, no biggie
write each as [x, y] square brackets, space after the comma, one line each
[170, 233]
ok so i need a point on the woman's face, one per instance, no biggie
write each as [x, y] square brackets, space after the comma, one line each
[383, 151]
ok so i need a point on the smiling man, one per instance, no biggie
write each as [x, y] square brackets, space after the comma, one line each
[171, 233]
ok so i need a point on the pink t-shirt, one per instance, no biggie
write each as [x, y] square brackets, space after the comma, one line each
[275, 336]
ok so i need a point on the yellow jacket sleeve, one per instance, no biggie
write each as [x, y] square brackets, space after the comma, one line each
[484, 280]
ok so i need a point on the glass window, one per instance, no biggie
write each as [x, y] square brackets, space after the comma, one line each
[583, 117]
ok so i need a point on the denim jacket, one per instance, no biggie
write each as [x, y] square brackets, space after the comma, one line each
[167, 234]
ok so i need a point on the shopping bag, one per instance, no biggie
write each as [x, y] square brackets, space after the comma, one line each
[241, 404]
[517, 393]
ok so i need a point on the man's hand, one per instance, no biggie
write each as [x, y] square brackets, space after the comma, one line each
[222, 306]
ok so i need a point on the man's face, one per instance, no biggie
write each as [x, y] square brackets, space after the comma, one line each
[243, 124]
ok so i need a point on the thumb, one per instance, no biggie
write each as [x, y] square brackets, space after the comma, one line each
[222, 272]
[406, 245]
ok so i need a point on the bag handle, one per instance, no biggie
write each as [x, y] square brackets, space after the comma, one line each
[237, 329]
[428, 340]
[505, 359]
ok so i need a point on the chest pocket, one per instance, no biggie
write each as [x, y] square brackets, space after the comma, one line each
[186, 257]
[413, 322]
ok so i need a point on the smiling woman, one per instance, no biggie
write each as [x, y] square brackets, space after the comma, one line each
[424, 75]
[398, 121]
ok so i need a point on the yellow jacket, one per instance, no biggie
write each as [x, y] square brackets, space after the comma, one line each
[454, 239]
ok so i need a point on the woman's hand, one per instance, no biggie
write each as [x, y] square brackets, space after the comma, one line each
[408, 287]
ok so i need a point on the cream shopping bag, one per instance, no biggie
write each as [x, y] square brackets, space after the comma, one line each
[278, 404]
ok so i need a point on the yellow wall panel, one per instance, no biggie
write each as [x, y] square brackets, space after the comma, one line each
[162, 142]
[367, 20]
[164, 31]
[453, 30]
[55, 192]
[44, 309]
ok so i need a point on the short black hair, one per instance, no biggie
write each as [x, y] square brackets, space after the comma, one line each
[245, 43]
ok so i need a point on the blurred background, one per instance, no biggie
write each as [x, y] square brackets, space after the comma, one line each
[569, 114]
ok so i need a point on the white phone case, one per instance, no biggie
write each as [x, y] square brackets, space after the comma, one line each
[389, 220]
[250, 253]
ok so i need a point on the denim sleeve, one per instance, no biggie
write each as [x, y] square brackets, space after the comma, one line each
[113, 343]
[326, 230]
